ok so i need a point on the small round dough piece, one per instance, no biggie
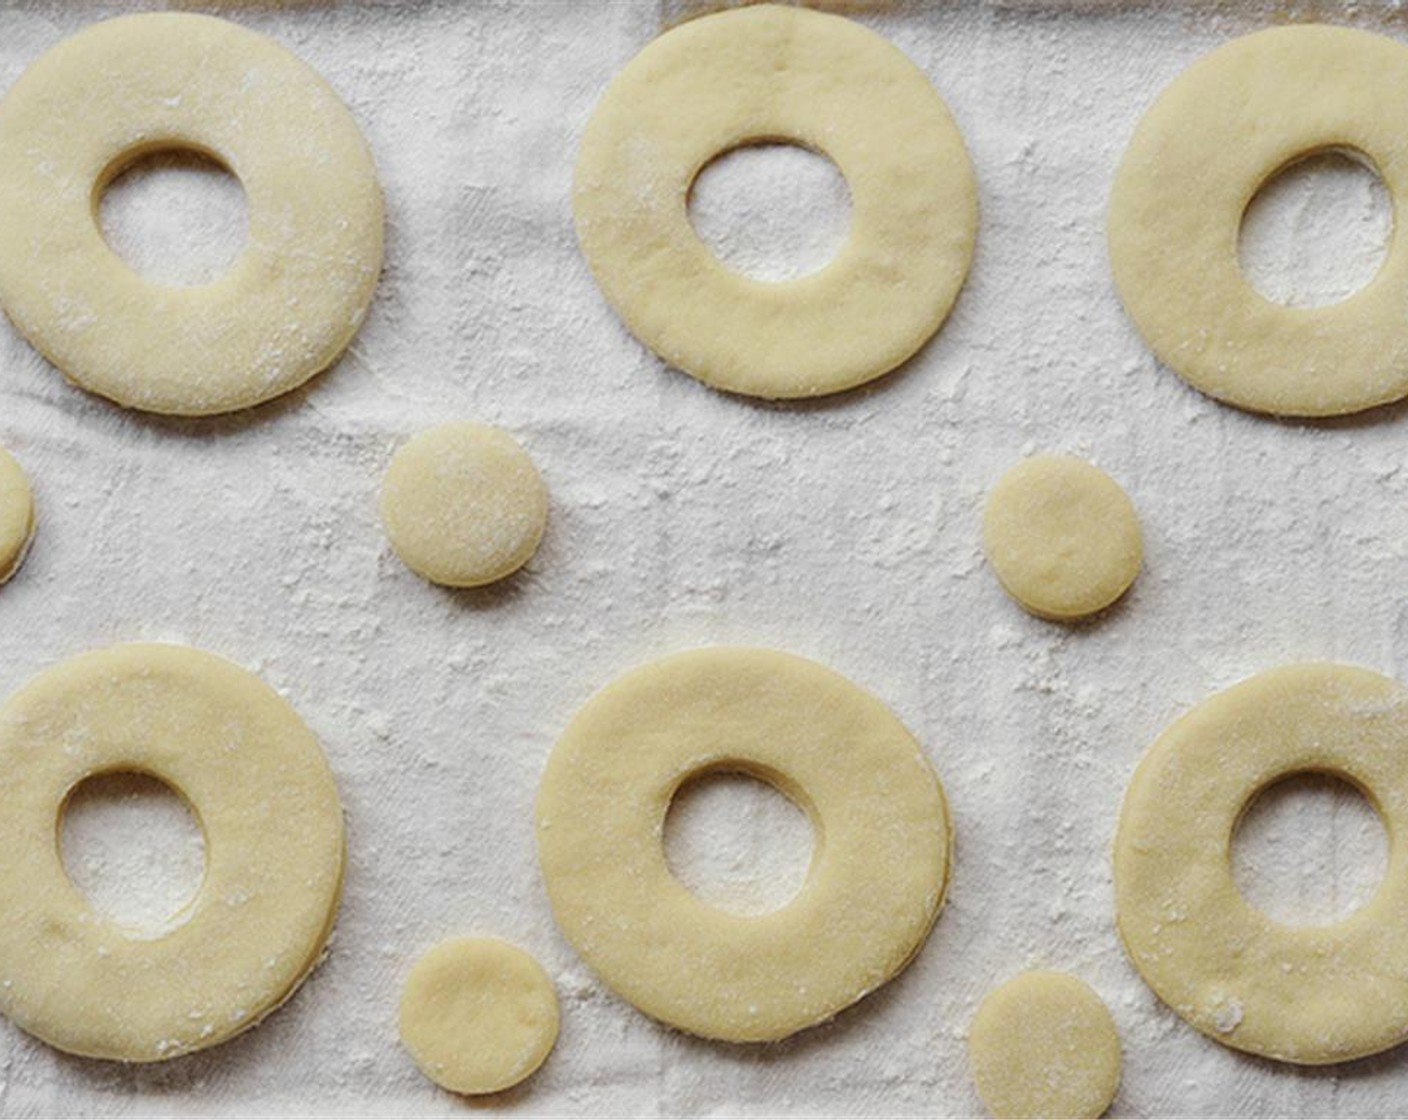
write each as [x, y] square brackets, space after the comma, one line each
[1062, 537]
[16, 516]
[769, 73]
[1227, 124]
[463, 504]
[163, 81]
[478, 1015]
[1310, 995]
[252, 774]
[878, 875]
[1044, 1045]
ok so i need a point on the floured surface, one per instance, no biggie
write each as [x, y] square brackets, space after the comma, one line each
[845, 530]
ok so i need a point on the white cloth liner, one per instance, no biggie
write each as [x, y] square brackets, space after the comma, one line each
[846, 530]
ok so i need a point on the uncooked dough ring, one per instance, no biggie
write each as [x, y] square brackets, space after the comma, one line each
[254, 776]
[16, 516]
[296, 295]
[1310, 995]
[770, 73]
[1226, 125]
[877, 878]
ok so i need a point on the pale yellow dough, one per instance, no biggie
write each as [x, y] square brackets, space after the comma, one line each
[16, 515]
[463, 504]
[252, 774]
[1225, 126]
[1311, 995]
[138, 84]
[1043, 1045]
[478, 1015]
[1062, 536]
[765, 74]
[878, 874]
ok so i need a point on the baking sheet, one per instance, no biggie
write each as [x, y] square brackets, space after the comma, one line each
[845, 530]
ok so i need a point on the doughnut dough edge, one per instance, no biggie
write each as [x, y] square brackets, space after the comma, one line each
[765, 74]
[16, 516]
[1311, 995]
[255, 778]
[299, 290]
[879, 871]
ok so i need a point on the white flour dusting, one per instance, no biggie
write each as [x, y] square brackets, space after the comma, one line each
[846, 530]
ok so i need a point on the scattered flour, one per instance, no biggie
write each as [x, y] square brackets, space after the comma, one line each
[845, 530]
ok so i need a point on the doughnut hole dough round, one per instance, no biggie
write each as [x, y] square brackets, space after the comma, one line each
[878, 874]
[1044, 1045]
[1062, 536]
[1221, 129]
[478, 1015]
[1309, 995]
[16, 516]
[768, 74]
[463, 505]
[294, 298]
[252, 774]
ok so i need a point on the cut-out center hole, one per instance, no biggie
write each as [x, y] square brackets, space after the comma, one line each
[1317, 231]
[131, 845]
[738, 843]
[1309, 850]
[178, 218]
[771, 211]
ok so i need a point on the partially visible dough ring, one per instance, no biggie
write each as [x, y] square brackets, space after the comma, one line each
[292, 301]
[1310, 995]
[770, 73]
[16, 515]
[1226, 125]
[254, 777]
[878, 875]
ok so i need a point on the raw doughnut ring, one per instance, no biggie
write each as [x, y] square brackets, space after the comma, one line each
[255, 778]
[296, 295]
[16, 516]
[877, 879]
[1225, 126]
[1310, 995]
[762, 74]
